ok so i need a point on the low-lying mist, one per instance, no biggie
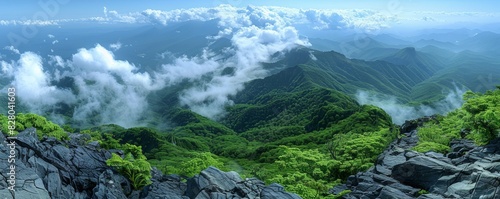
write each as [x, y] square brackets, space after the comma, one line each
[100, 89]
[401, 112]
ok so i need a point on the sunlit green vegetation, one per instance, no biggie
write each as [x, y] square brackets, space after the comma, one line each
[478, 119]
[133, 165]
[43, 126]
[307, 140]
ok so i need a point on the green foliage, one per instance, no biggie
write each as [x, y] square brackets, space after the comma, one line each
[484, 114]
[106, 140]
[425, 146]
[478, 118]
[314, 109]
[4, 124]
[273, 133]
[147, 138]
[233, 146]
[352, 152]
[197, 164]
[42, 125]
[305, 172]
[436, 135]
[422, 192]
[198, 125]
[133, 165]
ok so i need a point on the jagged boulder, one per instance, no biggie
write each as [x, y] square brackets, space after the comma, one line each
[213, 183]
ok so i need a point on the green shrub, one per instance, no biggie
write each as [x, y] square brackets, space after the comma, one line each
[484, 114]
[478, 118]
[106, 140]
[305, 172]
[352, 152]
[133, 165]
[199, 163]
[42, 125]
[431, 146]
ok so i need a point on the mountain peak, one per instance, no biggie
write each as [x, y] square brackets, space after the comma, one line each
[409, 51]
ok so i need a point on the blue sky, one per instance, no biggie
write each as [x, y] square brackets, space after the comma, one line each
[91, 8]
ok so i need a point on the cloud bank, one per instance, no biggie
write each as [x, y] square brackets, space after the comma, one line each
[107, 90]
[401, 112]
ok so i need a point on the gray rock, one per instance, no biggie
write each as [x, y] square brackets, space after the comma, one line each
[422, 171]
[211, 180]
[168, 187]
[392, 193]
[337, 189]
[276, 191]
[110, 186]
[430, 196]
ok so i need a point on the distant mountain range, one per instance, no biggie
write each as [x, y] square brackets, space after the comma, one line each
[414, 70]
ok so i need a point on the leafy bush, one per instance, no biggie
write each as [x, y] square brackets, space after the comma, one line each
[305, 172]
[133, 165]
[483, 114]
[42, 125]
[106, 140]
[425, 146]
[352, 152]
[436, 135]
[199, 163]
[478, 119]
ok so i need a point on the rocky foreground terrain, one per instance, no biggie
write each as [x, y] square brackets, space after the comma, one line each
[467, 171]
[74, 169]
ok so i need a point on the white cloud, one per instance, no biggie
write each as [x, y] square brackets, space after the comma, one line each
[116, 46]
[260, 16]
[57, 61]
[109, 87]
[33, 85]
[108, 90]
[311, 55]
[7, 69]
[105, 11]
[252, 46]
[401, 112]
[191, 69]
[55, 41]
[29, 22]
[51, 36]
[12, 48]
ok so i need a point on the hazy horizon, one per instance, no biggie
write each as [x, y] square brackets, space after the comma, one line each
[400, 17]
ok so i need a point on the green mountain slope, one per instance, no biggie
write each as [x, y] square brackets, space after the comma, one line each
[333, 70]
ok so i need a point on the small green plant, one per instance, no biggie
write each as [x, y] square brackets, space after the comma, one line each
[133, 165]
[422, 192]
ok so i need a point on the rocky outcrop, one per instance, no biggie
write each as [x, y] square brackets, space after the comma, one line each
[76, 169]
[467, 171]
